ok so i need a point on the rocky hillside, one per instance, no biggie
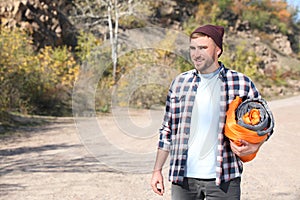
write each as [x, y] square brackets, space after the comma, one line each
[46, 20]
[48, 23]
[278, 61]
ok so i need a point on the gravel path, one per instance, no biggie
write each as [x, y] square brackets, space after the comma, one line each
[71, 159]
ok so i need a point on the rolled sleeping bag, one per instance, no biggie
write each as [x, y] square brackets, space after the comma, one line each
[266, 122]
[250, 120]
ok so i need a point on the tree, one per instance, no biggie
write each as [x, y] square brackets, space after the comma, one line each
[95, 15]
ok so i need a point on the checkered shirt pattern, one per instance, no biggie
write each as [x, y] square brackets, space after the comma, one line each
[175, 130]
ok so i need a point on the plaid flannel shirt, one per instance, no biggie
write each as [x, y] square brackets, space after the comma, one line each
[174, 134]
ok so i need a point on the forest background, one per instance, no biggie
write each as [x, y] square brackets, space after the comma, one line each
[46, 46]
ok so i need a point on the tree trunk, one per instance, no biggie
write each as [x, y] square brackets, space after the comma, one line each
[113, 33]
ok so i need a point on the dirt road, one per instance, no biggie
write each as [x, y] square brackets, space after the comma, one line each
[62, 160]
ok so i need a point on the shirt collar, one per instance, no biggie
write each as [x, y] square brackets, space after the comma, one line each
[222, 71]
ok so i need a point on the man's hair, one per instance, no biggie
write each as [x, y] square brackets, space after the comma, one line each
[197, 35]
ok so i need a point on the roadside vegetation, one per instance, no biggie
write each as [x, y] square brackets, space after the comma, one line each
[41, 82]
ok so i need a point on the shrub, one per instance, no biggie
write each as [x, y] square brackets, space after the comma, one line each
[243, 60]
[56, 73]
[257, 19]
[35, 83]
[16, 64]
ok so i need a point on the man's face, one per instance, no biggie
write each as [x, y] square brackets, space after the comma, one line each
[204, 54]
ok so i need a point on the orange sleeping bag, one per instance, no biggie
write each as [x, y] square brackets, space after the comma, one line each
[235, 132]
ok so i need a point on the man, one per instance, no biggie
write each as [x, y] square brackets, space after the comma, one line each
[203, 162]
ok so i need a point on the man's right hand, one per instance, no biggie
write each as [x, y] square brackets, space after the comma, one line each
[157, 182]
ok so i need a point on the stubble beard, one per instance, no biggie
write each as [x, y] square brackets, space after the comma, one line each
[204, 66]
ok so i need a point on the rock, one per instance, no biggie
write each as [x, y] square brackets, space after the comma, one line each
[242, 26]
[45, 20]
[282, 44]
[29, 15]
[166, 10]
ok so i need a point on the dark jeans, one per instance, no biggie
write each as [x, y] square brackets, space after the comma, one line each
[193, 188]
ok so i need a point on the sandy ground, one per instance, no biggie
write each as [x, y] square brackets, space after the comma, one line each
[110, 157]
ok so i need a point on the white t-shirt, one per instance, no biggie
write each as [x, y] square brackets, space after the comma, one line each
[202, 158]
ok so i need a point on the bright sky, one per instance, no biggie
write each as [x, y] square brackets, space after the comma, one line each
[295, 3]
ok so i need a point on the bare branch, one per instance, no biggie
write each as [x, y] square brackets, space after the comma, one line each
[88, 5]
[79, 7]
[84, 17]
[95, 12]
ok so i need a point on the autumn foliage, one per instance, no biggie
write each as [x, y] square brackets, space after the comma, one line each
[42, 82]
[34, 82]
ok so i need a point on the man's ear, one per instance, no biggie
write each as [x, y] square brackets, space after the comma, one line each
[219, 51]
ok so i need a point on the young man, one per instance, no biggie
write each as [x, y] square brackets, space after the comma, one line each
[203, 162]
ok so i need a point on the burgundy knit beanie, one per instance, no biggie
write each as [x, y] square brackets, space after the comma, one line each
[214, 32]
